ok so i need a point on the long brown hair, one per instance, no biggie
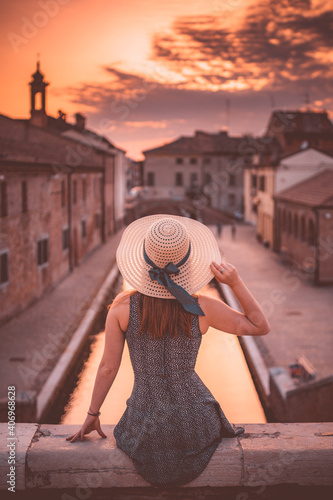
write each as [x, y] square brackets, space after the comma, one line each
[161, 316]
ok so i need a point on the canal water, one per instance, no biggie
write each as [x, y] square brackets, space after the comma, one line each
[220, 364]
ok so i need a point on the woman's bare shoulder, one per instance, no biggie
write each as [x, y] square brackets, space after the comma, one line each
[120, 308]
[122, 299]
[204, 302]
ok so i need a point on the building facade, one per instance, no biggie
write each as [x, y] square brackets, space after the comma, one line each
[287, 154]
[62, 190]
[271, 180]
[208, 164]
[304, 226]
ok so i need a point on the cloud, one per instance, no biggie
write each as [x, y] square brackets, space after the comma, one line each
[149, 124]
[276, 42]
[272, 56]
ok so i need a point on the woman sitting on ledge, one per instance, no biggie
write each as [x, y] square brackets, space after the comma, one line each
[172, 424]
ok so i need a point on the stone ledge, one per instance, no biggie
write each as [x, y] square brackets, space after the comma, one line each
[22, 439]
[266, 455]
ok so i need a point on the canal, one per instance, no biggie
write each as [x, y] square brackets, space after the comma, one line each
[220, 364]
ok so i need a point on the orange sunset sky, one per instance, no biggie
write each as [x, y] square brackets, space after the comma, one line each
[145, 72]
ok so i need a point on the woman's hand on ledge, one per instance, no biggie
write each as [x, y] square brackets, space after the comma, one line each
[90, 424]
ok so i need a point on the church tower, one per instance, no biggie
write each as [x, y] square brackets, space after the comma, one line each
[38, 97]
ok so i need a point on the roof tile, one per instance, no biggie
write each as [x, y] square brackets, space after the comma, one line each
[315, 191]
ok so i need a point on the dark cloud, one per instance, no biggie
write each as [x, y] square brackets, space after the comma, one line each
[283, 39]
[183, 111]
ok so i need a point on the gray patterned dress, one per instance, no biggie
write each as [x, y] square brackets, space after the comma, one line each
[172, 424]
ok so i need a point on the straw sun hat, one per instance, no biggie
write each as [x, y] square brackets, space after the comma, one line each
[149, 244]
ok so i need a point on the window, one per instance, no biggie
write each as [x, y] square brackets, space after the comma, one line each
[262, 183]
[208, 178]
[179, 161]
[74, 191]
[193, 179]
[312, 236]
[42, 251]
[65, 238]
[63, 193]
[279, 218]
[4, 271]
[206, 160]
[24, 196]
[232, 180]
[83, 229]
[150, 179]
[97, 220]
[97, 188]
[303, 229]
[253, 181]
[84, 190]
[231, 199]
[179, 179]
[290, 223]
[193, 161]
[284, 220]
[296, 226]
[3, 205]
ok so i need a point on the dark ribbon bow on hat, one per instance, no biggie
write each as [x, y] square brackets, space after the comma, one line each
[162, 276]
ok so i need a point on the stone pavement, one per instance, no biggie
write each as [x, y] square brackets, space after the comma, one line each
[32, 342]
[300, 314]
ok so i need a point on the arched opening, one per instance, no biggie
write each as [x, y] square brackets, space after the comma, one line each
[290, 223]
[284, 220]
[312, 235]
[303, 229]
[38, 101]
[296, 226]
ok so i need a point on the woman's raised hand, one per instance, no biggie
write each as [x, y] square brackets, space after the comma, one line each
[91, 423]
[225, 273]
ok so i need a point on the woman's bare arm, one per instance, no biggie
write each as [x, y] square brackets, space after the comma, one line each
[108, 367]
[219, 315]
[110, 362]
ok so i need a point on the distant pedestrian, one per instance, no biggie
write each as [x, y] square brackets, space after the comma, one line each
[219, 229]
[233, 230]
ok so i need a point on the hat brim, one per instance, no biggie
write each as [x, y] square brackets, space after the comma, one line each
[193, 275]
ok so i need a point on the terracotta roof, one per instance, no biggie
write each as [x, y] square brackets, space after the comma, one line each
[315, 191]
[200, 143]
[300, 121]
[59, 125]
[47, 146]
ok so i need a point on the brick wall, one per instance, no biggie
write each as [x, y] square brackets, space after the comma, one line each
[314, 259]
[45, 218]
[325, 245]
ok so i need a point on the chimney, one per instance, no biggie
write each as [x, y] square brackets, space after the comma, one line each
[80, 121]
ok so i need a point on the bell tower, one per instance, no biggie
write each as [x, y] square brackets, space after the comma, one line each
[38, 98]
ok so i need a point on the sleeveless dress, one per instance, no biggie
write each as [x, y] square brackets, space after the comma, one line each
[172, 424]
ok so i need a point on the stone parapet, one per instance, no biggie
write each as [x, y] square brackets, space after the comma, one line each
[265, 455]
